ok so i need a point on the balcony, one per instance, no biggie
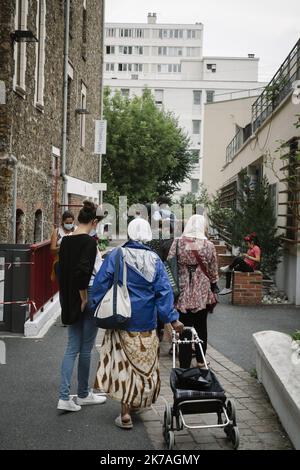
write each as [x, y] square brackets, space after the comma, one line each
[278, 89]
[237, 142]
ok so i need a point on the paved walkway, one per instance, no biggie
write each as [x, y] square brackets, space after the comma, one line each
[257, 421]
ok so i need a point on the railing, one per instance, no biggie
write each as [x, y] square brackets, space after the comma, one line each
[279, 87]
[234, 146]
[42, 289]
[239, 139]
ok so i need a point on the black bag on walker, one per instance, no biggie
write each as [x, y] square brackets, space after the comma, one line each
[195, 379]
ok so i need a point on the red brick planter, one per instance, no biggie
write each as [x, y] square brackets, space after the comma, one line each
[247, 288]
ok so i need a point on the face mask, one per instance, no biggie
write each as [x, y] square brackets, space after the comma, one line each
[68, 226]
[93, 233]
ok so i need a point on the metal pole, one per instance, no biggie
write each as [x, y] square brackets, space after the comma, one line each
[65, 102]
[101, 97]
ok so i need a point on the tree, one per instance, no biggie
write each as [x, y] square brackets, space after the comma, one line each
[255, 213]
[147, 152]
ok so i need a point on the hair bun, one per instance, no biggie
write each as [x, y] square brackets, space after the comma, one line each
[89, 206]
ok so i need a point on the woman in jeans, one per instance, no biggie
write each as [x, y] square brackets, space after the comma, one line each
[78, 261]
[198, 272]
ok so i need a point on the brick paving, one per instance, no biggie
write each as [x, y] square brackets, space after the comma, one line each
[257, 421]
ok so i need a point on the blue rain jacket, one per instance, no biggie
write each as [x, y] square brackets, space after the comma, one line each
[148, 285]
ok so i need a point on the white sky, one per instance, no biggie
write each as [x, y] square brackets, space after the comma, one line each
[267, 28]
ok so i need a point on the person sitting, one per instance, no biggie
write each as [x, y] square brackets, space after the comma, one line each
[247, 263]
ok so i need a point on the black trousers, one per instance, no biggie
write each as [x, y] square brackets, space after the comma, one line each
[199, 321]
[237, 265]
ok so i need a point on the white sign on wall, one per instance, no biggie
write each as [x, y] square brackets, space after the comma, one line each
[100, 137]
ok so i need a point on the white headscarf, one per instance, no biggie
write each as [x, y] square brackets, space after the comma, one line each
[139, 230]
[195, 227]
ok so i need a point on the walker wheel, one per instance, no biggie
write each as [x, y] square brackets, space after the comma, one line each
[170, 440]
[167, 421]
[231, 411]
[235, 437]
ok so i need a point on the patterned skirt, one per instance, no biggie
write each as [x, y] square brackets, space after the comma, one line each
[129, 368]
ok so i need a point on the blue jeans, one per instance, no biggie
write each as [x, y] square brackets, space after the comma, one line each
[81, 339]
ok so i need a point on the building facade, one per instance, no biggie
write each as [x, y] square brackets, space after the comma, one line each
[51, 55]
[264, 141]
[168, 59]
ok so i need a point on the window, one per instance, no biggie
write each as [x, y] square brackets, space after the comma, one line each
[139, 33]
[110, 49]
[109, 67]
[210, 96]
[82, 116]
[20, 47]
[193, 51]
[130, 67]
[169, 68]
[159, 96]
[196, 127]
[126, 33]
[40, 54]
[191, 34]
[38, 226]
[125, 92]
[212, 67]
[194, 186]
[162, 50]
[174, 51]
[163, 68]
[197, 97]
[138, 50]
[20, 226]
[110, 32]
[84, 31]
[170, 33]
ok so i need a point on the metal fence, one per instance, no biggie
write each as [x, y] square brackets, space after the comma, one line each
[278, 88]
[25, 283]
[42, 289]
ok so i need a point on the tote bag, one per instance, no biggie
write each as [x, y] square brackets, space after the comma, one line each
[114, 311]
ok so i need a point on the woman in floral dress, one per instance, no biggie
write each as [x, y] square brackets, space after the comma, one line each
[198, 272]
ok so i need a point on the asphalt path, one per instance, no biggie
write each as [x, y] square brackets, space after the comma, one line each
[29, 419]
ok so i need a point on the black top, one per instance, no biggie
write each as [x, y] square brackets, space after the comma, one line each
[77, 256]
[161, 247]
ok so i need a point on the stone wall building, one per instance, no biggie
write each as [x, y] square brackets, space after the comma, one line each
[34, 180]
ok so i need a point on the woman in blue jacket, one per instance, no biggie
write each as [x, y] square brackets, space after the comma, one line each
[129, 368]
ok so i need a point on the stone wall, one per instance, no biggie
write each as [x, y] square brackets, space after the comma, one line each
[29, 133]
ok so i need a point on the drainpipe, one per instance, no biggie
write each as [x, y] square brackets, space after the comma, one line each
[101, 97]
[65, 104]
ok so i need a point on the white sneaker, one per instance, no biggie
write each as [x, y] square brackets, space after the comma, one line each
[68, 405]
[225, 291]
[225, 269]
[91, 399]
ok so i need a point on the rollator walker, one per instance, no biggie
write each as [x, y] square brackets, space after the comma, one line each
[197, 391]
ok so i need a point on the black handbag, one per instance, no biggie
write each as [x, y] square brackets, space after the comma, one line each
[171, 266]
